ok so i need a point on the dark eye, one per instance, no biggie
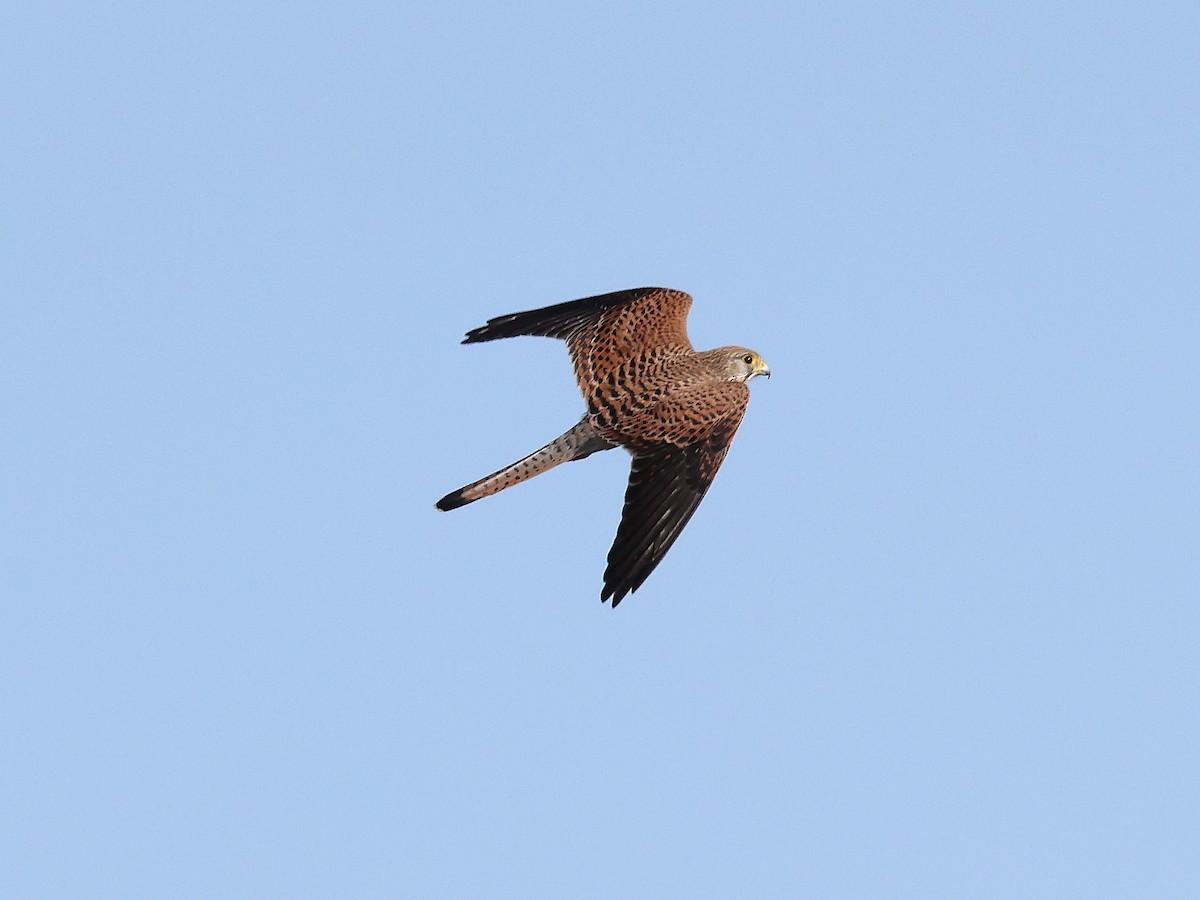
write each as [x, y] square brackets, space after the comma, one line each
[748, 359]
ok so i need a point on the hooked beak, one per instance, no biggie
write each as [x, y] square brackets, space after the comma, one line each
[762, 369]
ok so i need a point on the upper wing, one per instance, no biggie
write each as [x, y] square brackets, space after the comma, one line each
[659, 314]
[605, 331]
[665, 487]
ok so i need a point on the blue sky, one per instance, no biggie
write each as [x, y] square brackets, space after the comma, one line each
[932, 633]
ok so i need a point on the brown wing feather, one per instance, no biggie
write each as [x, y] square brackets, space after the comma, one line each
[605, 332]
[665, 488]
[632, 335]
[565, 320]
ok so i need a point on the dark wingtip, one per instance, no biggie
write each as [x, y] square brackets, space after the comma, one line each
[616, 593]
[453, 500]
[489, 332]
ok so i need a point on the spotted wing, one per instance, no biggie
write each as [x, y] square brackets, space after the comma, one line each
[655, 314]
[603, 332]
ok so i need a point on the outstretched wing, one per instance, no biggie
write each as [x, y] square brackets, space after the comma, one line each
[665, 487]
[604, 332]
[661, 314]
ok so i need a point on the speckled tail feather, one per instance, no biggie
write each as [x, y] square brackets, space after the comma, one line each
[577, 443]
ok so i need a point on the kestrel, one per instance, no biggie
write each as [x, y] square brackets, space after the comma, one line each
[647, 390]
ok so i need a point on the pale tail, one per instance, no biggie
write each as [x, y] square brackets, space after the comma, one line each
[577, 443]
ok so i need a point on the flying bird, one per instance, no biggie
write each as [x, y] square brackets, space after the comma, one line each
[674, 409]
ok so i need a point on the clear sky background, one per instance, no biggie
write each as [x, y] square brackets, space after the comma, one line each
[934, 631]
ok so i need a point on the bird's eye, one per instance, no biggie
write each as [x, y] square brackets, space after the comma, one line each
[748, 359]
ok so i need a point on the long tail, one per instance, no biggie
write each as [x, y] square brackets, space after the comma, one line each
[577, 443]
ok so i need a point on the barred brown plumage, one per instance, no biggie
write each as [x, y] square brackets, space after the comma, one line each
[647, 390]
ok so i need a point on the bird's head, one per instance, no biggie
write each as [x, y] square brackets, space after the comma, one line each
[737, 363]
